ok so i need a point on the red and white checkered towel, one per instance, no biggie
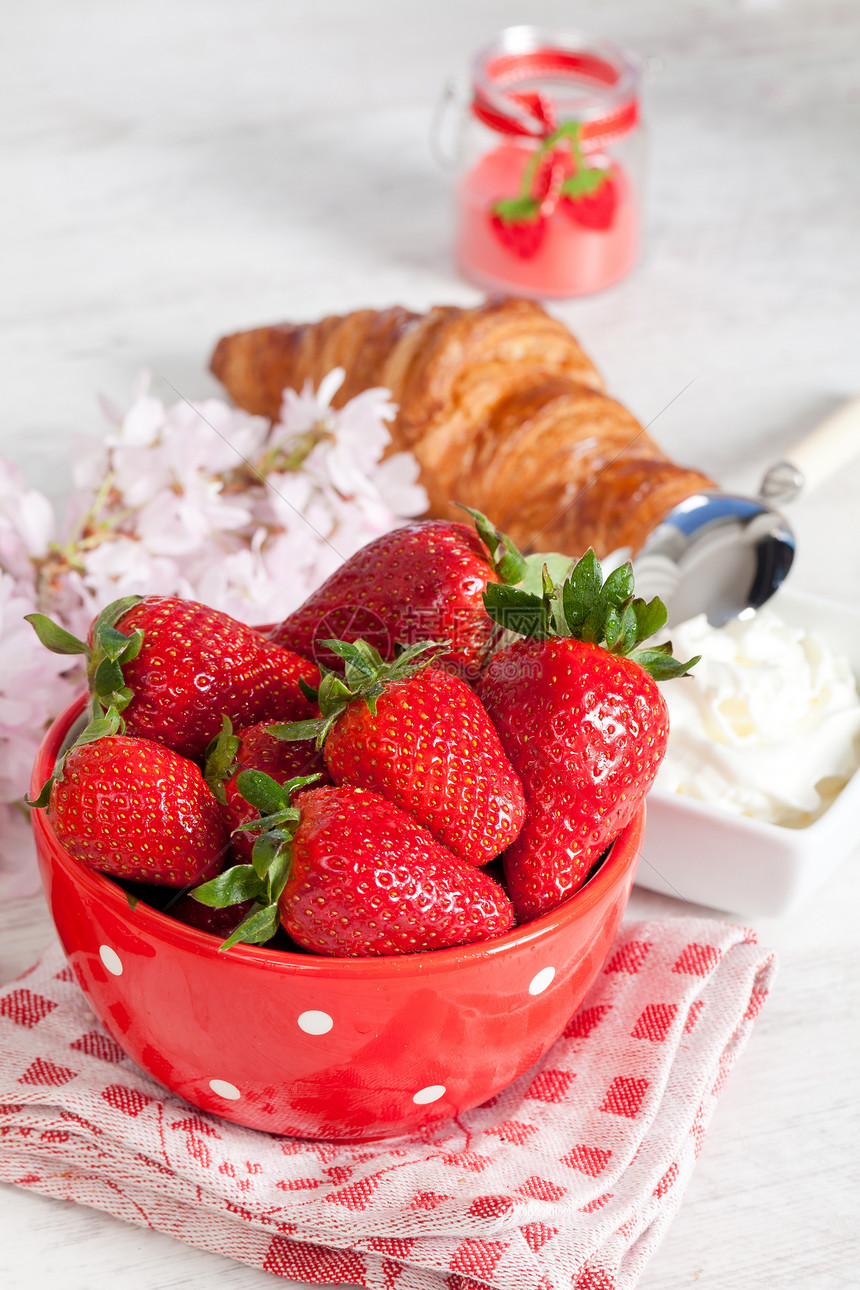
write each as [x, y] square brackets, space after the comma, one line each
[569, 1178]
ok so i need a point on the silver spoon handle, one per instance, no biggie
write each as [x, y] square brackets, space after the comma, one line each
[816, 457]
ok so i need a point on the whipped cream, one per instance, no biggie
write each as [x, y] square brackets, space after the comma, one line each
[767, 724]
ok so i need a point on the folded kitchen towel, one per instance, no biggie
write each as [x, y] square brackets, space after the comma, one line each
[569, 1178]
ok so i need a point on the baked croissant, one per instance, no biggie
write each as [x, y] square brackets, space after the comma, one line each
[500, 406]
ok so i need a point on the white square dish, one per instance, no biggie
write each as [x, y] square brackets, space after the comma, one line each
[710, 856]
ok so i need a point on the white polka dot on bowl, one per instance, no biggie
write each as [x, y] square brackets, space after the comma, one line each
[431, 1093]
[541, 980]
[315, 1023]
[111, 960]
[222, 1088]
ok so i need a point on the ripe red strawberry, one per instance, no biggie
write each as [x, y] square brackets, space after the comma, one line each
[420, 582]
[135, 809]
[173, 668]
[377, 883]
[354, 875]
[583, 725]
[254, 749]
[422, 740]
[523, 237]
[594, 208]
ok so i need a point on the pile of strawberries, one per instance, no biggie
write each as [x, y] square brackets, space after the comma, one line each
[352, 780]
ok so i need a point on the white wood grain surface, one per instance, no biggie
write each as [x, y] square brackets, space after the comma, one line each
[181, 169]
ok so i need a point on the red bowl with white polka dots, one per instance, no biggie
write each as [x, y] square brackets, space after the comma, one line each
[346, 1049]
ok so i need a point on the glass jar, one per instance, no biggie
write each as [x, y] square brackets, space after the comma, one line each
[550, 161]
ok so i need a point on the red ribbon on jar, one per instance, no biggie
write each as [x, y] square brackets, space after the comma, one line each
[530, 112]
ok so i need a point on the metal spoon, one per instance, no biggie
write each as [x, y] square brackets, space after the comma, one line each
[719, 554]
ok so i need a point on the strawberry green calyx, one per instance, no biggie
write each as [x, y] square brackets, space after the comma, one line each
[265, 877]
[109, 695]
[99, 728]
[517, 210]
[508, 564]
[586, 180]
[105, 657]
[309, 691]
[220, 759]
[366, 675]
[587, 608]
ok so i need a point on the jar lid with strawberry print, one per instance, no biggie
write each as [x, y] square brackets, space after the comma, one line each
[547, 204]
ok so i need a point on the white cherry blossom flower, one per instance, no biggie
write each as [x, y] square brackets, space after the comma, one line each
[198, 500]
[26, 524]
[308, 408]
[33, 688]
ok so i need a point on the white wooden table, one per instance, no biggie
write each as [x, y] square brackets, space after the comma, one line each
[178, 170]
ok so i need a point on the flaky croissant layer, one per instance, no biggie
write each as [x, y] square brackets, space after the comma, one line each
[500, 406]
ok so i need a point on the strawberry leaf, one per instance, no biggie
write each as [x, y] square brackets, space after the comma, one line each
[256, 929]
[606, 620]
[515, 610]
[334, 694]
[508, 564]
[271, 823]
[121, 698]
[359, 657]
[54, 637]
[589, 609]
[581, 593]
[110, 648]
[418, 654]
[220, 759]
[44, 795]
[366, 676]
[300, 781]
[409, 659]
[279, 870]
[101, 728]
[660, 664]
[116, 644]
[618, 587]
[133, 648]
[260, 790]
[112, 613]
[354, 676]
[621, 638]
[517, 210]
[612, 629]
[276, 826]
[296, 731]
[108, 677]
[650, 617]
[584, 183]
[309, 691]
[265, 850]
[231, 887]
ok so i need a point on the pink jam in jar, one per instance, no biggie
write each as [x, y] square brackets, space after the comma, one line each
[547, 201]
